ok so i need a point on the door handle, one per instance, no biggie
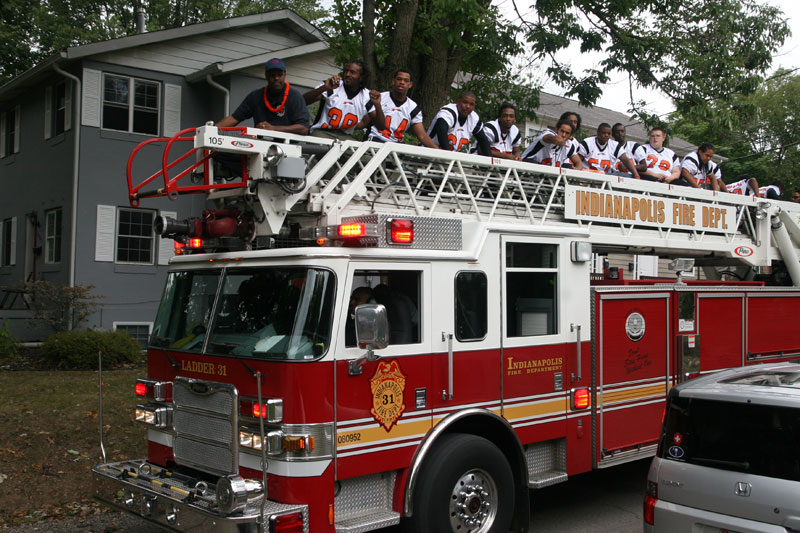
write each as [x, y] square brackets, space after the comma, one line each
[448, 394]
[577, 329]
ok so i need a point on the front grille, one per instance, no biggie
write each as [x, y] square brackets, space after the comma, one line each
[206, 425]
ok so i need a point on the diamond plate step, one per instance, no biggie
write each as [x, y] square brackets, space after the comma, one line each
[367, 522]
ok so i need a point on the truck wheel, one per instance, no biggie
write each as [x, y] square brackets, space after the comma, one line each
[465, 486]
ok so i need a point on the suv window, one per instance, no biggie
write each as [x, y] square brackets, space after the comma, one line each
[742, 437]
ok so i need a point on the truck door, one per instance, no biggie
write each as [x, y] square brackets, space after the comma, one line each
[632, 361]
[383, 408]
[720, 329]
[535, 372]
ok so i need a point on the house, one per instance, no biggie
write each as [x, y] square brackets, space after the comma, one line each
[68, 125]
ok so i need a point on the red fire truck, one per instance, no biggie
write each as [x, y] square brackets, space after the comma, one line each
[362, 334]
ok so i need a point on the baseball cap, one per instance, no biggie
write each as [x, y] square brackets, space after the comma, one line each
[275, 63]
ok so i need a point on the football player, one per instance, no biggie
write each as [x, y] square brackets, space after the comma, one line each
[456, 123]
[554, 147]
[401, 113]
[655, 162]
[601, 151]
[503, 135]
[345, 101]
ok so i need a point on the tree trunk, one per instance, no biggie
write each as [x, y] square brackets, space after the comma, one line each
[406, 14]
[368, 42]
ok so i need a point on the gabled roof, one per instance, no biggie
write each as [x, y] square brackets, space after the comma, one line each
[193, 51]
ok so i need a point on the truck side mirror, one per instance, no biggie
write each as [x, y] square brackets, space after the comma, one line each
[372, 333]
[372, 327]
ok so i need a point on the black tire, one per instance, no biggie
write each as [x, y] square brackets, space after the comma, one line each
[468, 470]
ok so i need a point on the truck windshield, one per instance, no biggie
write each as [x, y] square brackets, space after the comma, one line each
[275, 313]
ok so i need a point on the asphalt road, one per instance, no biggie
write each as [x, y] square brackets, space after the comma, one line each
[603, 501]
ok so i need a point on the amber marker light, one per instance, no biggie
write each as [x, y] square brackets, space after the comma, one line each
[322, 241]
[352, 230]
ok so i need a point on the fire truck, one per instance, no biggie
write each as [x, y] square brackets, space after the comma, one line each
[355, 335]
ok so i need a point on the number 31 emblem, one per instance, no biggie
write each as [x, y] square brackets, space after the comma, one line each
[387, 386]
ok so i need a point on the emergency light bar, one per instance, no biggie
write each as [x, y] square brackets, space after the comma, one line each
[396, 231]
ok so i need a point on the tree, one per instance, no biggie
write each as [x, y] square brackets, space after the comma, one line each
[758, 133]
[32, 30]
[436, 39]
[694, 51]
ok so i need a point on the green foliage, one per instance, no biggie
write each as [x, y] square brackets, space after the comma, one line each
[436, 39]
[757, 132]
[694, 51]
[74, 350]
[53, 304]
[8, 343]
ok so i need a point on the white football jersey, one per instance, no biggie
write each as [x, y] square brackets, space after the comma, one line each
[499, 142]
[740, 187]
[702, 173]
[630, 149]
[597, 157]
[399, 117]
[762, 191]
[337, 111]
[547, 153]
[661, 161]
[458, 134]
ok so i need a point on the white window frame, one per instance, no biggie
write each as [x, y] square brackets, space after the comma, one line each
[152, 237]
[116, 324]
[53, 242]
[130, 103]
[51, 121]
[5, 124]
[11, 260]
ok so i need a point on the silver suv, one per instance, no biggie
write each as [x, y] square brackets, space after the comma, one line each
[729, 455]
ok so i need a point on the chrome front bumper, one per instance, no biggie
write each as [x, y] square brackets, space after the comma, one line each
[175, 502]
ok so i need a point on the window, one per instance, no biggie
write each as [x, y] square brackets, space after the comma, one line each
[266, 313]
[8, 242]
[399, 292]
[58, 109]
[9, 132]
[130, 104]
[52, 239]
[139, 331]
[135, 236]
[471, 306]
[531, 289]
[712, 435]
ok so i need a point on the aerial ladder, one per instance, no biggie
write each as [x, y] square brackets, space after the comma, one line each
[279, 187]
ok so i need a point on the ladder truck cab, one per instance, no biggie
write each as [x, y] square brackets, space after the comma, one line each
[355, 334]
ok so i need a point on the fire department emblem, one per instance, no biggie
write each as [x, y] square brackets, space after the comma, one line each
[387, 386]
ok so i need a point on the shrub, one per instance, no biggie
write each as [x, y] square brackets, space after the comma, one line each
[78, 349]
[54, 304]
[8, 343]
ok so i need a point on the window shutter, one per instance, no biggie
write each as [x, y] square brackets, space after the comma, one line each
[48, 112]
[172, 109]
[166, 247]
[68, 105]
[92, 97]
[16, 129]
[3, 134]
[106, 230]
[13, 241]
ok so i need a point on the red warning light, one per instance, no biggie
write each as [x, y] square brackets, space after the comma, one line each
[580, 398]
[402, 231]
[195, 243]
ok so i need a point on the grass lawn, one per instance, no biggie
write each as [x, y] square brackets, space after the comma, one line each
[49, 438]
